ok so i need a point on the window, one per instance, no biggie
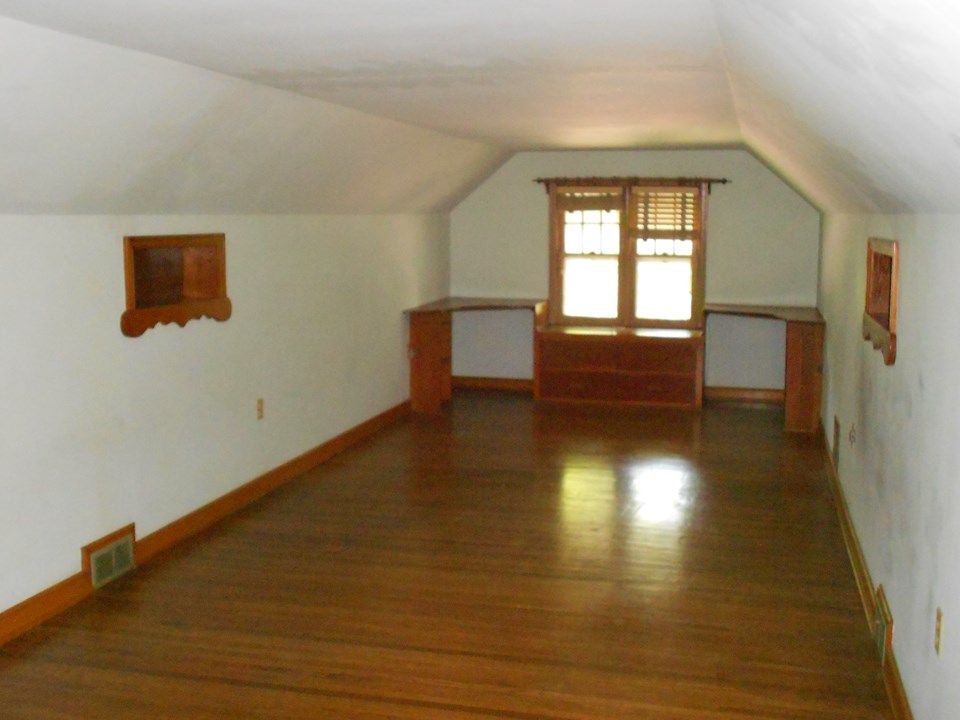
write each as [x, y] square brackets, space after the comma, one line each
[627, 251]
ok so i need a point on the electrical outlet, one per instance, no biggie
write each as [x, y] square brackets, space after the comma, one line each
[259, 408]
[938, 631]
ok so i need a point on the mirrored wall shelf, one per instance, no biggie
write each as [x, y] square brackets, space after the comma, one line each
[173, 279]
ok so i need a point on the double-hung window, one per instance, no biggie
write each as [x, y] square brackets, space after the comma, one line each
[627, 251]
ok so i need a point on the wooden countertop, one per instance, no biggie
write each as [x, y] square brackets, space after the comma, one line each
[788, 313]
[449, 304]
[604, 331]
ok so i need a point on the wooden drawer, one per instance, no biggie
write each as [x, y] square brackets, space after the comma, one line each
[587, 353]
[578, 385]
[658, 357]
[657, 388]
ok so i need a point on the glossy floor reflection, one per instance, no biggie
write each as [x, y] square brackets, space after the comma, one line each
[501, 561]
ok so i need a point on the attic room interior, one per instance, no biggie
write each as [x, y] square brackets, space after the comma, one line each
[307, 543]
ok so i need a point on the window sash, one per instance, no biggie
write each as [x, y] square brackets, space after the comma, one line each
[647, 213]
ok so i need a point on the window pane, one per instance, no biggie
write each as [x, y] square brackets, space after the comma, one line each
[573, 238]
[646, 247]
[610, 216]
[611, 239]
[664, 288]
[591, 216]
[590, 287]
[591, 238]
[573, 216]
[664, 247]
[683, 247]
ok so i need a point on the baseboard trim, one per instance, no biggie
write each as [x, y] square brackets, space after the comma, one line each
[41, 607]
[486, 383]
[199, 520]
[757, 396]
[895, 690]
[54, 600]
[854, 551]
[890, 671]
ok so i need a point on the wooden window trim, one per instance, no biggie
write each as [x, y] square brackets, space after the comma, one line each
[628, 187]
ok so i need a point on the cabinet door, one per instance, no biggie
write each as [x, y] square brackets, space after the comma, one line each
[578, 385]
[430, 381]
[578, 353]
[658, 356]
[658, 388]
[804, 376]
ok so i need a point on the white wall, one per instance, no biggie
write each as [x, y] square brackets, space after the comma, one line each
[100, 430]
[762, 245]
[900, 475]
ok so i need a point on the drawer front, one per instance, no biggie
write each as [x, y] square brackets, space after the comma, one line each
[578, 385]
[578, 353]
[660, 388]
[658, 357]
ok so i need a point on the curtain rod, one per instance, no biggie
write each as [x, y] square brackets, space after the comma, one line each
[632, 181]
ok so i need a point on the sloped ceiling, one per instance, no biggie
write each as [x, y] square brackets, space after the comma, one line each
[410, 104]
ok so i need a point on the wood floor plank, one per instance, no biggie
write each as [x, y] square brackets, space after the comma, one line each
[500, 561]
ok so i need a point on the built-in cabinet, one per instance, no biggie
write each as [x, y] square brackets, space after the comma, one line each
[639, 366]
[629, 366]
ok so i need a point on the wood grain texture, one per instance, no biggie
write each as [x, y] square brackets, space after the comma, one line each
[41, 607]
[502, 560]
[25, 616]
[431, 361]
[743, 395]
[620, 365]
[460, 303]
[804, 376]
[519, 385]
[174, 279]
[788, 313]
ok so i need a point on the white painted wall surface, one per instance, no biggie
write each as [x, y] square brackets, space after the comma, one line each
[900, 476]
[90, 128]
[762, 245]
[495, 344]
[728, 364]
[100, 430]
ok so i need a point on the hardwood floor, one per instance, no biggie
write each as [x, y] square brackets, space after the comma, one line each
[500, 561]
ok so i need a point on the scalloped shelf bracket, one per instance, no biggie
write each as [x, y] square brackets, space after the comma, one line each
[880, 306]
[174, 279]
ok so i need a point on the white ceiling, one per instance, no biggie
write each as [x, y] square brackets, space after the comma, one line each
[854, 101]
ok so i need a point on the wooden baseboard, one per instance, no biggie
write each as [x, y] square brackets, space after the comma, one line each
[854, 551]
[758, 396]
[890, 670]
[201, 519]
[485, 383]
[41, 607]
[895, 690]
[51, 602]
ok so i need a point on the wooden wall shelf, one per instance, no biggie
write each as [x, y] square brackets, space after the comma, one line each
[173, 279]
[880, 307]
